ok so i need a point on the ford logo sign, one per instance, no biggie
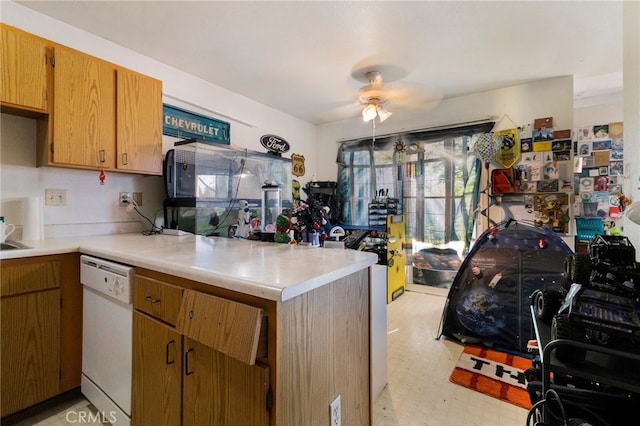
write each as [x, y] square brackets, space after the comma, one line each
[274, 143]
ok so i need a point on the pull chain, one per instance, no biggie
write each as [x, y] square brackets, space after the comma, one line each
[373, 136]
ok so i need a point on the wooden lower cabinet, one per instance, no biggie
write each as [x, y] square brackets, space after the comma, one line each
[41, 326]
[30, 349]
[178, 380]
[309, 349]
[220, 390]
[157, 371]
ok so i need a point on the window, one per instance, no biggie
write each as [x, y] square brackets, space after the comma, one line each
[434, 175]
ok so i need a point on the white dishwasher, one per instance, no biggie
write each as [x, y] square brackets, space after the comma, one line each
[107, 337]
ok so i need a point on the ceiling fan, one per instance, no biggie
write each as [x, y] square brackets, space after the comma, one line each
[372, 96]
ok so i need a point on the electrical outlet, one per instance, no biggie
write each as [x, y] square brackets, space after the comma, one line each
[137, 198]
[335, 412]
[124, 199]
[55, 197]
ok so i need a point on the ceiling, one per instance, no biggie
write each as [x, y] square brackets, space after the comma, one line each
[308, 58]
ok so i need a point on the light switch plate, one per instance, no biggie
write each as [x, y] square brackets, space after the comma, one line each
[55, 197]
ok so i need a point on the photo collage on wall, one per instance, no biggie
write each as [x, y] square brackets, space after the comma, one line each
[598, 170]
[545, 174]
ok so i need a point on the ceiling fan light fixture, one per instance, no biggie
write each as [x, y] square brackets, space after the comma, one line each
[383, 114]
[369, 112]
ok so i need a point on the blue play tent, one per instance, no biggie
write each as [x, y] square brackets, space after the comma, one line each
[488, 301]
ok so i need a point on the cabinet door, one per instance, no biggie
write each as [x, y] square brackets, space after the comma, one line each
[222, 391]
[84, 110]
[139, 136]
[157, 369]
[24, 70]
[30, 325]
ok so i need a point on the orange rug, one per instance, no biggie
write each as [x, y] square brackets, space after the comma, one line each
[498, 374]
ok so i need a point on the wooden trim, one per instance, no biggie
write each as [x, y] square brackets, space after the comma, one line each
[70, 323]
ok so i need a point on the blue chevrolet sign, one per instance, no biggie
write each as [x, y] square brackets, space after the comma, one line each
[187, 125]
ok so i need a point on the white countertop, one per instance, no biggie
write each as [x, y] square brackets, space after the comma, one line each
[268, 270]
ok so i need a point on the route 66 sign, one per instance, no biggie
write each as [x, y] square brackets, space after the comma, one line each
[297, 166]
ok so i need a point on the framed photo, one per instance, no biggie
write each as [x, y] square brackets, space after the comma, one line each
[616, 168]
[604, 171]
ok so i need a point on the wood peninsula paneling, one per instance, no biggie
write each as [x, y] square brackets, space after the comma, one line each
[326, 353]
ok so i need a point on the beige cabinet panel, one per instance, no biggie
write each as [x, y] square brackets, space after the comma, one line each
[139, 121]
[24, 70]
[84, 107]
[30, 361]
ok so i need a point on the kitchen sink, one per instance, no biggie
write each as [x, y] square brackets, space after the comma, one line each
[12, 245]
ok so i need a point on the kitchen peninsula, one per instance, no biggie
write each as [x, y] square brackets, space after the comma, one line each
[314, 327]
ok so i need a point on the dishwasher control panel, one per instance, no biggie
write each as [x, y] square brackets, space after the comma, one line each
[109, 278]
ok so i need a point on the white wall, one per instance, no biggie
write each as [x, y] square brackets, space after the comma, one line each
[598, 114]
[631, 93]
[91, 208]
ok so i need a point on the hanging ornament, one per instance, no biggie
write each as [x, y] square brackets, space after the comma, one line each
[102, 176]
[486, 147]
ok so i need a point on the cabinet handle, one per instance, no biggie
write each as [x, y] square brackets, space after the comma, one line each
[186, 362]
[124, 158]
[102, 156]
[150, 299]
[169, 361]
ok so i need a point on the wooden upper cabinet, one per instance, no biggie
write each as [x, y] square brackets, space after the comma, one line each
[139, 123]
[84, 110]
[24, 72]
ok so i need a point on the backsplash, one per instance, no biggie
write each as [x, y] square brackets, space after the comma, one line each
[91, 208]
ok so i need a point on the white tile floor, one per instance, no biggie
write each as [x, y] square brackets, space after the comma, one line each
[418, 392]
[73, 412]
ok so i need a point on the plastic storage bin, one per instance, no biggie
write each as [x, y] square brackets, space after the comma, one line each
[588, 227]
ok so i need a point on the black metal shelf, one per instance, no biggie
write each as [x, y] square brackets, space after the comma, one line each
[612, 370]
